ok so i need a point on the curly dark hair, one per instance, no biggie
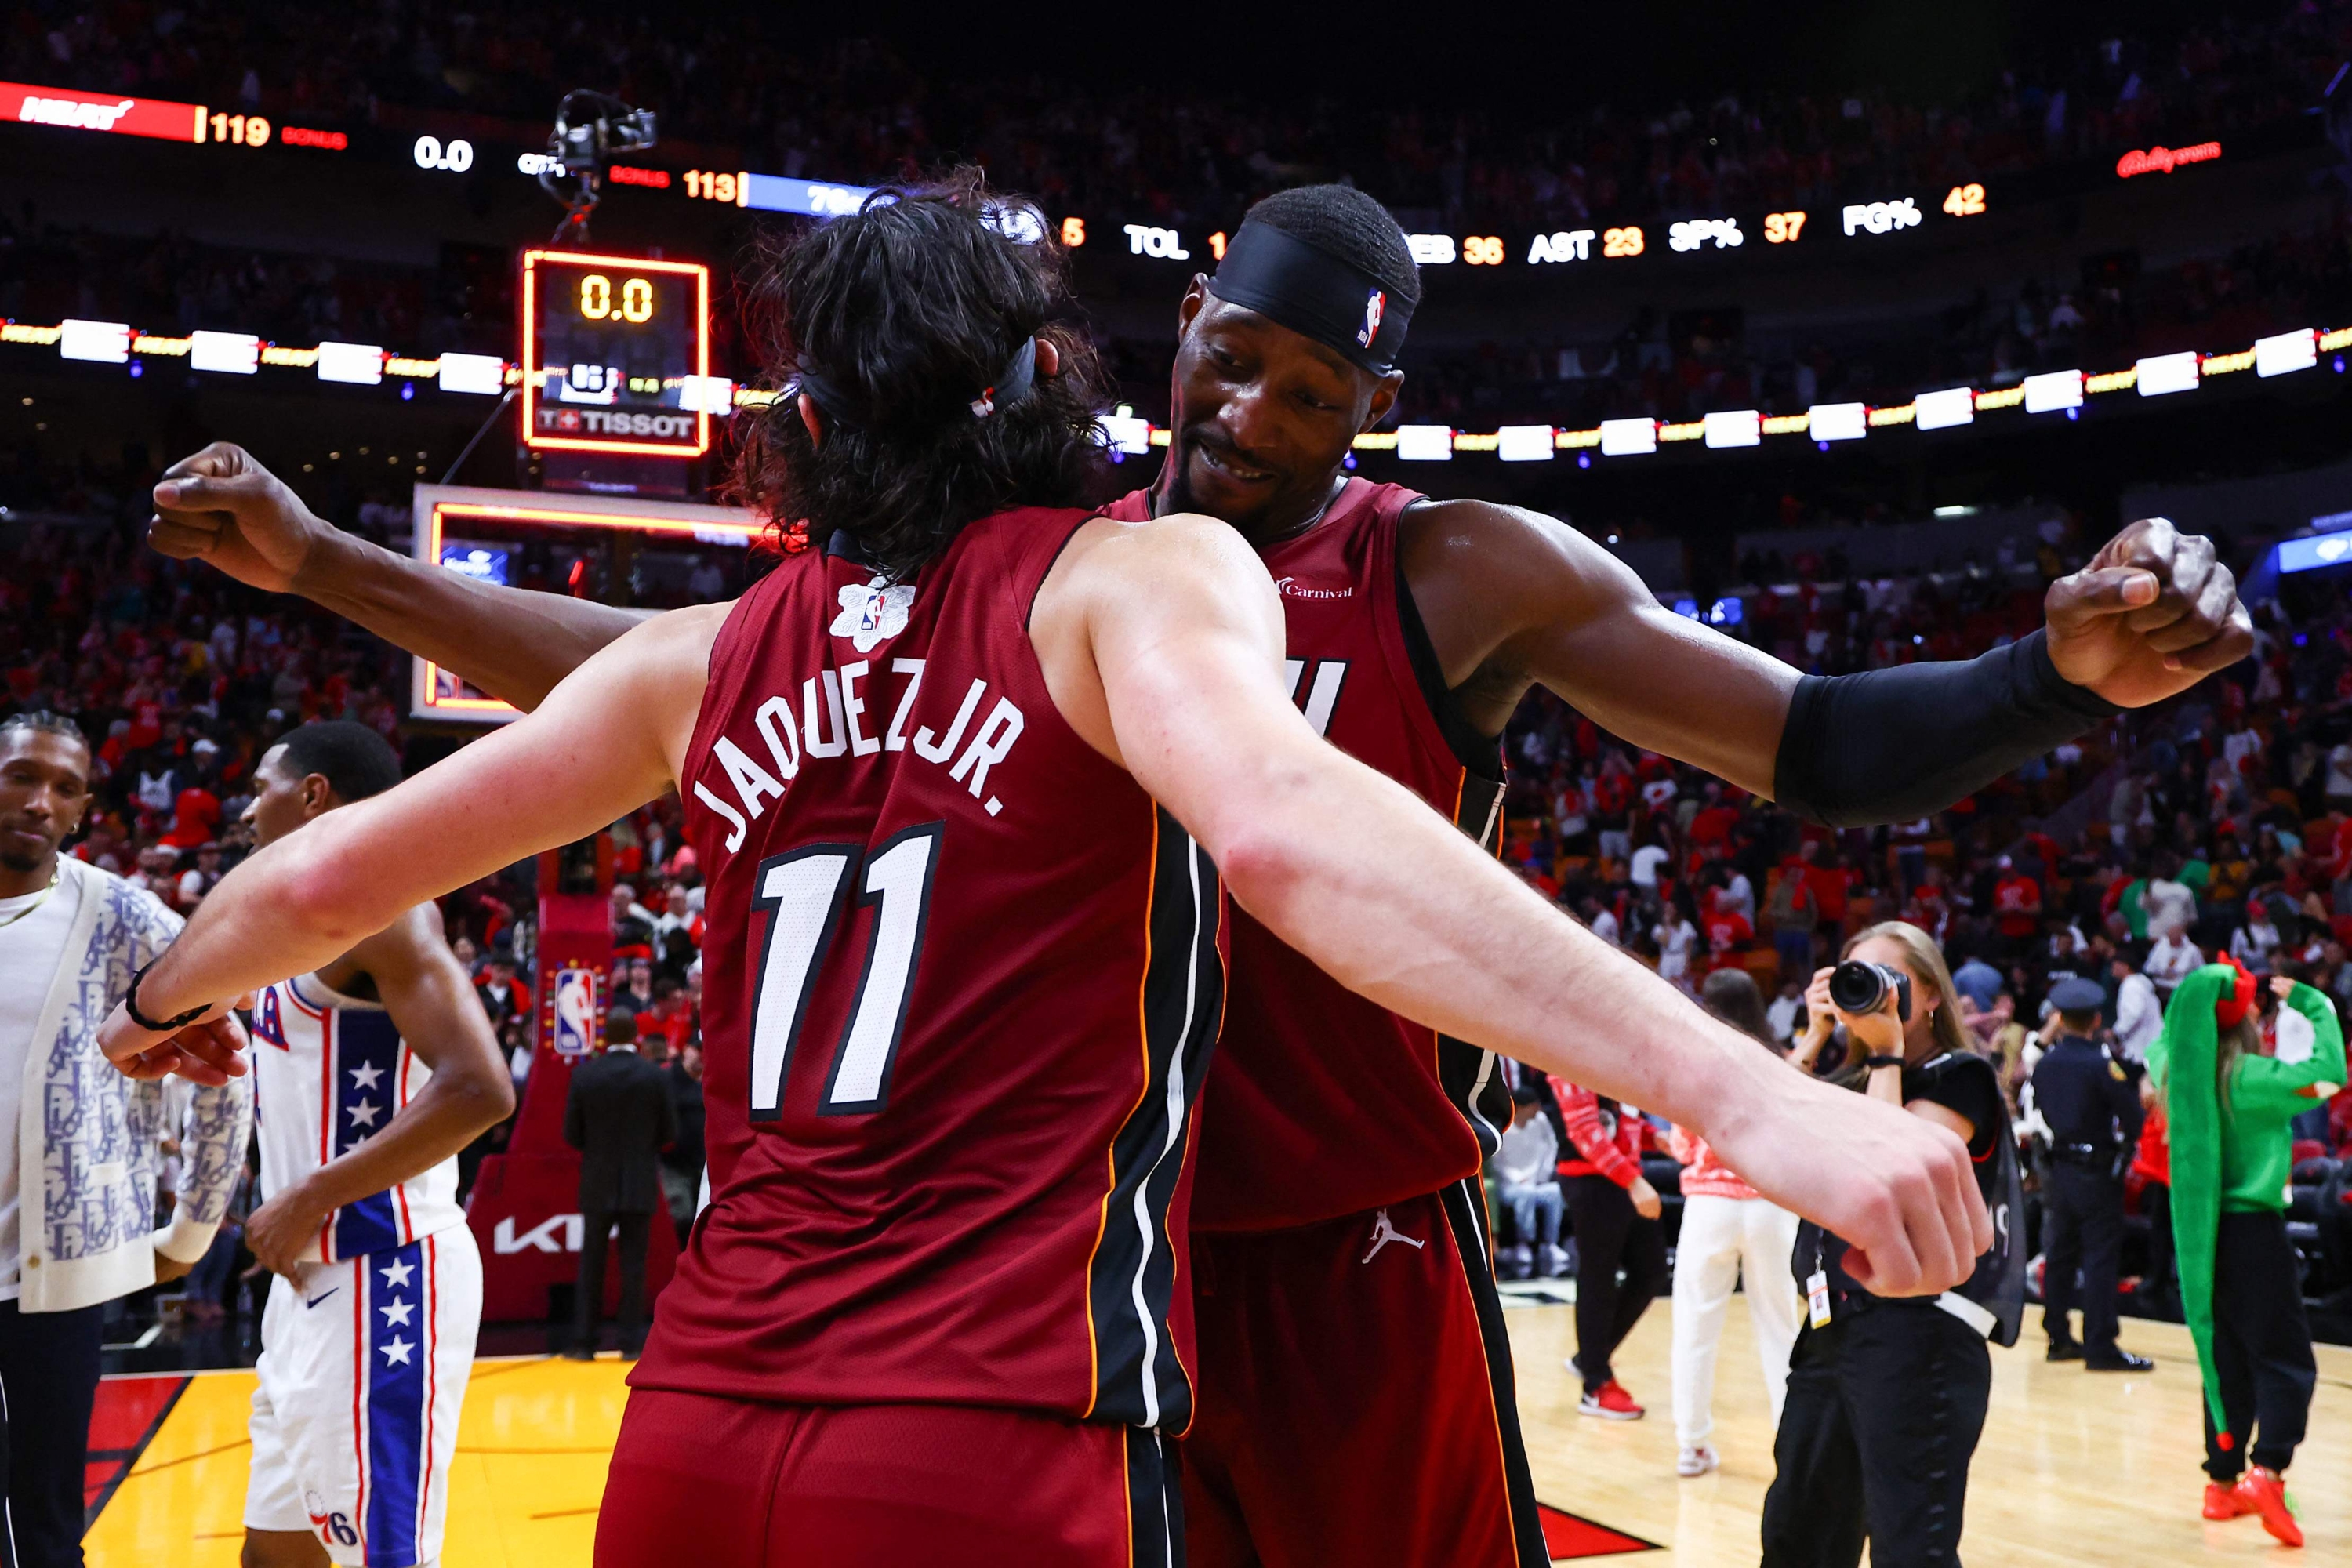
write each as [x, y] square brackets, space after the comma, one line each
[907, 310]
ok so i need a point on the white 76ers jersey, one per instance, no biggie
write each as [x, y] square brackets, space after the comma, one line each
[330, 1070]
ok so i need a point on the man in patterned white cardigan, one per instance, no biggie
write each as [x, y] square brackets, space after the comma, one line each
[78, 1140]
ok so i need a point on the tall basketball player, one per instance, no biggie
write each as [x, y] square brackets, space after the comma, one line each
[963, 782]
[1413, 628]
[370, 1072]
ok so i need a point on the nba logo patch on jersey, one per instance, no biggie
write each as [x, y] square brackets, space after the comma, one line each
[1376, 305]
[873, 612]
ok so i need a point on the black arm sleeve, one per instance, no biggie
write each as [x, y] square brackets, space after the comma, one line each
[1892, 745]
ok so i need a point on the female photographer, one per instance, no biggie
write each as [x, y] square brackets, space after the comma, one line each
[1728, 1235]
[1886, 1398]
[2229, 1103]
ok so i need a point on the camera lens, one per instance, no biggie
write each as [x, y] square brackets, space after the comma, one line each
[1858, 986]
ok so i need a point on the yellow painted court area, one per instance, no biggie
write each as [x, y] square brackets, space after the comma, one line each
[524, 1488]
[2074, 1468]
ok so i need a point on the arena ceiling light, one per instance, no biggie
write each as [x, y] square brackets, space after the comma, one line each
[1524, 444]
[1628, 438]
[101, 343]
[2162, 374]
[2288, 351]
[1942, 410]
[1735, 428]
[1425, 443]
[229, 353]
[482, 374]
[1837, 421]
[1126, 432]
[361, 364]
[2053, 390]
[715, 394]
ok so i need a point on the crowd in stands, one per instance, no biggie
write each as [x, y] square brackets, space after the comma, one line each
[856, 111]
[1663, 365]
[167, 284]
[1678, 368]
[2220, 823]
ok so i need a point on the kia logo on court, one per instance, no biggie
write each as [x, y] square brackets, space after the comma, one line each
[556, 1233]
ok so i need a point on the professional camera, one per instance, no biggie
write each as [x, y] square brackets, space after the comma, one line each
[1861, 987]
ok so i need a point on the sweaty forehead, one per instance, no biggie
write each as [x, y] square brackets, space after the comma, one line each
[1280, 346]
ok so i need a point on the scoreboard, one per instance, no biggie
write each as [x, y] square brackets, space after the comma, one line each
[615, 354]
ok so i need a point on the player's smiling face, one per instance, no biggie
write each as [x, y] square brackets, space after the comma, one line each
[1263, 417]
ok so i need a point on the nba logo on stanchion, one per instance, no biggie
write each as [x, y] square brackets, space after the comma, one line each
[575, 1012]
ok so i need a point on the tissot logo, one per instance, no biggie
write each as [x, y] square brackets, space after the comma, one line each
[1292, 588]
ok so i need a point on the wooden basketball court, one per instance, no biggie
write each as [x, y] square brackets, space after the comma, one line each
[2073, 1467]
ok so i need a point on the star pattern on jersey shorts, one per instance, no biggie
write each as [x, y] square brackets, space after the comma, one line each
[395, 1352]
[396, 1314]
[397, 1274]
[365, 1075]
[363, 1114]
[872, 613]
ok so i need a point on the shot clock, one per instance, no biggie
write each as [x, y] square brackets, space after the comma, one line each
[607, 344]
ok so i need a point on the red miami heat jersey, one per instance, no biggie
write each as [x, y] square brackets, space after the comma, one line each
[962, 980]
[1323, 1103]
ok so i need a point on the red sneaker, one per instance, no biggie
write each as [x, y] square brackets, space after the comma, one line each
[2263, 1493]
[1611, 1403]
[2222, 1501]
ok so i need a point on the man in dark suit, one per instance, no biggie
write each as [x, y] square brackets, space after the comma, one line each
[620, 1116]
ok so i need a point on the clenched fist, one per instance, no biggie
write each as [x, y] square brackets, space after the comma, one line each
[223, 508]
[2152, 614]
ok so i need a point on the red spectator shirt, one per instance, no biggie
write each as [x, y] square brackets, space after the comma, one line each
[962, 980]
[2017, 905]
[1323, 1104]
[1727, 936]
[195, 817]
[1606, 1136]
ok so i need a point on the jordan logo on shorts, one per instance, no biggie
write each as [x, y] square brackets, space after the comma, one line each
[1384, 1233]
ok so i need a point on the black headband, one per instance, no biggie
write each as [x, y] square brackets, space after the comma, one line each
[1013, 384]
[1314, 293]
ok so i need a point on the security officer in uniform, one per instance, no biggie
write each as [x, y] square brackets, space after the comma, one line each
[2091, 1102]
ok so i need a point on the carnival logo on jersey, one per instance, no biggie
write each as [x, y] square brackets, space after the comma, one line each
[1376, 305]
[873, 612]
[1292, 588]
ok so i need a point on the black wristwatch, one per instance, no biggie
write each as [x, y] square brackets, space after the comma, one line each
[155, 1025]
[1895, 1062]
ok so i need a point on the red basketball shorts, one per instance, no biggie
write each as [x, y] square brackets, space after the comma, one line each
[725, 1483]
[1356, 1402]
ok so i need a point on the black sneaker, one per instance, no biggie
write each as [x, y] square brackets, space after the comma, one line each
[2063, 1350]
[2119, 1361]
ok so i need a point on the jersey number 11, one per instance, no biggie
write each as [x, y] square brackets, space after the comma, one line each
[802, 892]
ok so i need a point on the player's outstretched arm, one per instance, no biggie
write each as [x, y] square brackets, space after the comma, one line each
[432, 1002]
[223, 508]
[1164, 643]
[606, 741]
[1514, 597]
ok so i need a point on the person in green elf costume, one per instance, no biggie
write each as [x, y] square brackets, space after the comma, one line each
[2228, 1102]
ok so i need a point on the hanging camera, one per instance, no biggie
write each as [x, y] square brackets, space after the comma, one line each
[589, 127]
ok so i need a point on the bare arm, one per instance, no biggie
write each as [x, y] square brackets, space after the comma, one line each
[1513, 598]
[433, 1003]
[223, 508]
[615, 731]
[1177, 675]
